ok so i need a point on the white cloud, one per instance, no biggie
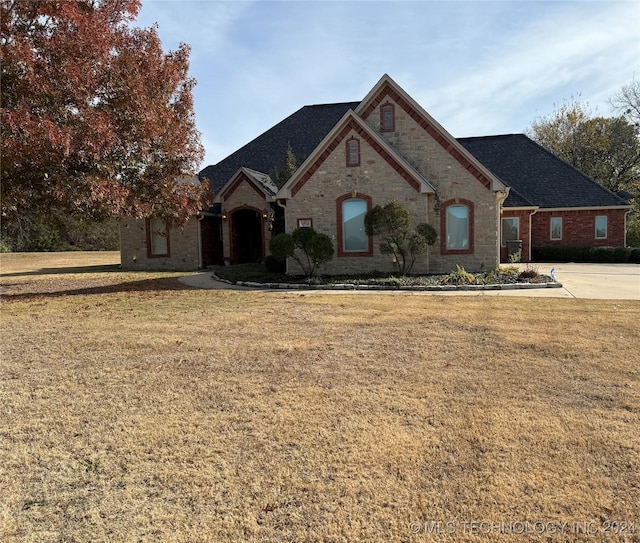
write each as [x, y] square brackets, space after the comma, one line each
[478, 67]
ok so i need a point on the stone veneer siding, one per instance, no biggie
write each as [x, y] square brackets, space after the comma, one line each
[183, 247]
[243, 195]
[375, 177]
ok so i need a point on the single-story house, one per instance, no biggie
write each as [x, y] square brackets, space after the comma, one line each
[480, 194]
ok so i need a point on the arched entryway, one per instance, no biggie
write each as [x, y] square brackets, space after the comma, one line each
[247, 236]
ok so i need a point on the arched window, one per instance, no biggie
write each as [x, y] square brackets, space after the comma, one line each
[457, 226]
[352, 237]
[387, 118]
[353, 152]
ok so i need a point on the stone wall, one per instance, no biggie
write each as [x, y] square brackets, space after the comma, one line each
[183, 247]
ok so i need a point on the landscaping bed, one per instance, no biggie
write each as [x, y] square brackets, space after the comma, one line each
[508, 277]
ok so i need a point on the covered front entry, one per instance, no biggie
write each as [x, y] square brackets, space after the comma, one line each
[247, 236]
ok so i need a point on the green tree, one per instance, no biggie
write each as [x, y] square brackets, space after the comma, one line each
[606, 149]
[307, 247]
[281, 176]
[392, 223]
[627, 102]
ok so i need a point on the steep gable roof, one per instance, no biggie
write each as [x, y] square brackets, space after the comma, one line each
[536, 175]
[350, 121]
[303, 131]
[261, 183]
[388, 87]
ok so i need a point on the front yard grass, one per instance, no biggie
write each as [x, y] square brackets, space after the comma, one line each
[135, 409]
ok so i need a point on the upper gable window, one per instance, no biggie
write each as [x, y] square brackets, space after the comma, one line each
[387, 118]
[353, 152]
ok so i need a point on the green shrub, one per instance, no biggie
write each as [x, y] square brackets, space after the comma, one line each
[391, 223]
[459, 277]
[307, 247]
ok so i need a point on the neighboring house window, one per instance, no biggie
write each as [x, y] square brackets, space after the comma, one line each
[510, 229]
[352, 237]
[353, 152]
[157, 238]
[556, 228]
[601, 227]
[387, 118]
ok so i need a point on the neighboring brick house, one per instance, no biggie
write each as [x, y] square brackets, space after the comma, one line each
[476, 192]
[550, 203]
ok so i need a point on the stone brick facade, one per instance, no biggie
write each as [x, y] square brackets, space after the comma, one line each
[243, 194]
[183, 247]
[378, 178]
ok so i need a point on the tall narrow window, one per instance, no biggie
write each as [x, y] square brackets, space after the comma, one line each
[510, 229]
[457, 227]
[354, 237]
[157, 238]
[353, 152]
[601, 227]
[387, 118]
[556, 228]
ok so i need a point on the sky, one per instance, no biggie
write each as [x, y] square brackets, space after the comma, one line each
[478, 67]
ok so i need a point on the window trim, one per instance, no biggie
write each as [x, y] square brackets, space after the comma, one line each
[606, 226]
[443, 227]
[348, 153]
[551, 229]
[339, 224]
[390, 106]
[503, 242]
[150, 253]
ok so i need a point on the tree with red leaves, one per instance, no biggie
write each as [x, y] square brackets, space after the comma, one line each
[97, 120]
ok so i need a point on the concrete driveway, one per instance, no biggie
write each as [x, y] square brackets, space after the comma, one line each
[595, 281]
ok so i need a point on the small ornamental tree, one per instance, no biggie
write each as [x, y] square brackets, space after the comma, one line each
[391, 223]
[307, 247]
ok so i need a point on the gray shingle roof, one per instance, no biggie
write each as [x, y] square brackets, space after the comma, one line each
[537, 176]
[303, 131]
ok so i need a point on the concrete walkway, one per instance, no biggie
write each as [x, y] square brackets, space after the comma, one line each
[589, 281]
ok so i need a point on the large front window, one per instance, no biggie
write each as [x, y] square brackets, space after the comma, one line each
[457, 227]
[354, 237]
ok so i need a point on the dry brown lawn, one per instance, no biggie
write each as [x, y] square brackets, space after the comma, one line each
[134, 409]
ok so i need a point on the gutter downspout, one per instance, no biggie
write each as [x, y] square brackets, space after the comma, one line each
[530, 232]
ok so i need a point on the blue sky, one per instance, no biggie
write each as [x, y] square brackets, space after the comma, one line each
[478, 67]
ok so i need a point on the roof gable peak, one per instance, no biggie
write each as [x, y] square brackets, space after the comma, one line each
[351, 121]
